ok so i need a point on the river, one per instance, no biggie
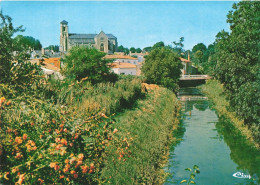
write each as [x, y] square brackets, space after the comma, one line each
[224, 157]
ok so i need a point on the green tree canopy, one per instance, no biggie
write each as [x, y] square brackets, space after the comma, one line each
[163, 67]
[158, 45]
[199, 47]
[132, 49]
[138, 50]
[82, 62]
[53, 47]
[147, 49]
[178, 46]
[123, 49]
[28, 42]
[237, 56]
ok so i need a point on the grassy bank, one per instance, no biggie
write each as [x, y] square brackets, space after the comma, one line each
[215, 91]
[63, 134]
[147, 130]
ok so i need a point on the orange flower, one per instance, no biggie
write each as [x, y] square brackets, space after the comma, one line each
[65, 170]
[8, 103]
[67, 161]
[84, 169]
[18, 155]
[57, 140]
[2, 100]
[25, 136]
[15, 170]
[5, 176]
[18, 140]
[41, 181]
[61, 177]
[56, 167]
[115, 131]
[21, 179]
[78, 164]
[72, 172]
[64, 141]
[92, 166]
[53, 164]
[75, 175]
[80, 157]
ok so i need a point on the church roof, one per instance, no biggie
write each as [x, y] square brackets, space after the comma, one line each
[64, 22]
[88, 36]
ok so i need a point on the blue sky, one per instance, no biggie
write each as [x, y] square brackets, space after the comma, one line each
[134, 23]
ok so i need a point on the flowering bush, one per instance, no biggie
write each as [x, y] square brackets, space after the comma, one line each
[42, 143]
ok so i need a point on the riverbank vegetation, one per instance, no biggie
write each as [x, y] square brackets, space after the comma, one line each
[233, 59]
[216, 92]
[149, 126]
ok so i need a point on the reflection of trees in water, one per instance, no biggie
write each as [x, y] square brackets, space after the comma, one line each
[201, 105]
[242, 153]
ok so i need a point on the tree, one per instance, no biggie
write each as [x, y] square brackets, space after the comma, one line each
[132, 49]
[123, 49]
[55, 48]
[28, 42]
[147, 49]
[82, 62]
[237, 61]
[199, 47]
[138, 50]
[15, 71]
[178, 48]
[158, 45]
[163, 67]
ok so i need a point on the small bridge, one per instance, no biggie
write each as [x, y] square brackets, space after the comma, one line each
[192, 98]
[194, 77]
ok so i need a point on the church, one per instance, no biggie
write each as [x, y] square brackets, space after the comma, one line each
[103, 42]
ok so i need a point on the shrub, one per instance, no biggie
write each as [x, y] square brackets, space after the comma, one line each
[163, 67]
[84, 62]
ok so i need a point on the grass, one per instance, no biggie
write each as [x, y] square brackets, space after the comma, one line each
[215, 91]
[149, 128]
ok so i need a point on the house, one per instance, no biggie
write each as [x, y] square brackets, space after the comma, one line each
[123, 59]
[187, 66]
[124, 68]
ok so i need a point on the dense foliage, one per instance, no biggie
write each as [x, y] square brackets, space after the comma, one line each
[238, 63]
[28, 42]
[55, 48]
[123, 49]
[84, 62]
[15, 71]
[234, 59]
[163, 67]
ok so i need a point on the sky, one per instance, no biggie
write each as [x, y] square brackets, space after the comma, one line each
[134, 23]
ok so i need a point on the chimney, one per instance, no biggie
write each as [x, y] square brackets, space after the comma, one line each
[43, 51]
[188, 55]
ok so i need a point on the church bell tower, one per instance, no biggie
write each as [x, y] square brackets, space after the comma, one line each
[64, 35]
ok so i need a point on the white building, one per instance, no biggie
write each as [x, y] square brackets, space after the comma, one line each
[124, 68]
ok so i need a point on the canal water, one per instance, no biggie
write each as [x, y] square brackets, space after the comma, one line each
[224, 157]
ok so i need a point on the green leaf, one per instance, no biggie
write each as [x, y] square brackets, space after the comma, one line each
[192, 176]
[188, 169]
[197, 171]
[196, 167]
[183, 181]
[192, 182]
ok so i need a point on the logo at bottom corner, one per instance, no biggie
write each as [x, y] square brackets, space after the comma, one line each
[241, 175]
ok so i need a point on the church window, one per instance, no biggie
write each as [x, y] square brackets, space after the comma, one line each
[102, 47]
[102, 38]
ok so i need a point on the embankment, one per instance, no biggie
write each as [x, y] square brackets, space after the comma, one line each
[149, 129]
[215, 91]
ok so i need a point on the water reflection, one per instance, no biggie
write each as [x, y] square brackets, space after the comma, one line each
[212, 143]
